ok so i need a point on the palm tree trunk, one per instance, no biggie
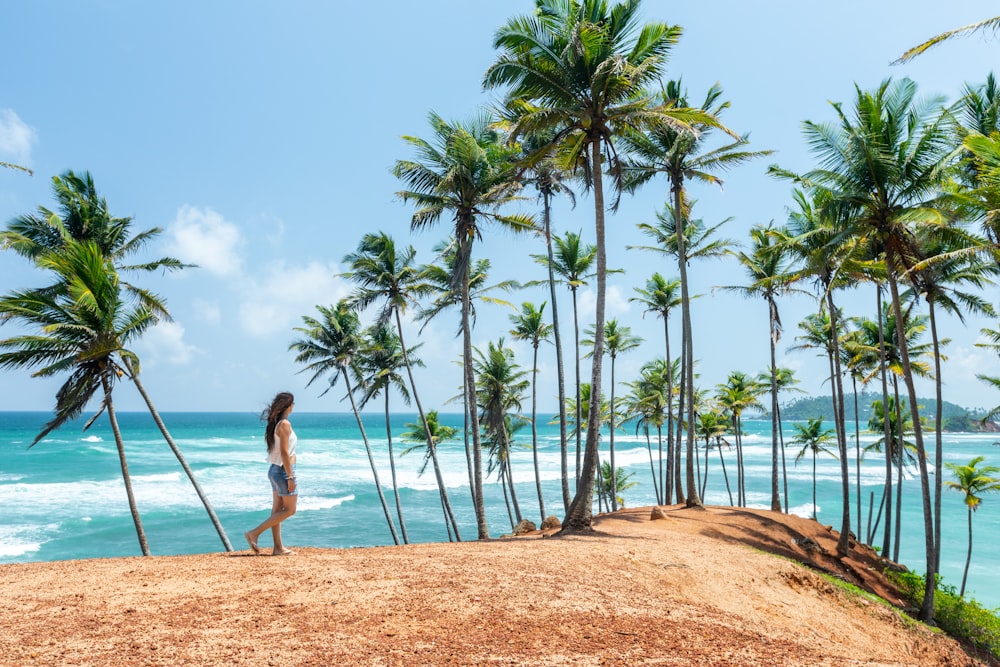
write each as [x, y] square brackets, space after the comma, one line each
[560, 368]
[775, 491]
[470, 392]
[725, 475]
[678, 445]
[579, 408]
[392, 469]
[844, 543]
[926, 613]
[857, 451]
[371, 459]
[968, 558]
[938, 434]
[883, 372]
[180, 457]
[667, 479]
[652, 465]
[693, 499]
[534, 434]
[581, 509]
[126, 478]
[442, 490]
[611, 442]
[784, 466]
[738, 431]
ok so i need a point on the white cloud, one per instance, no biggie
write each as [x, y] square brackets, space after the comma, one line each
[203, 237]
[16, 137]
[288, 293]
[207, 311]
[164, 343]
[615, 304]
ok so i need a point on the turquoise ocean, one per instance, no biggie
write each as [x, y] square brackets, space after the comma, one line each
[64, 497]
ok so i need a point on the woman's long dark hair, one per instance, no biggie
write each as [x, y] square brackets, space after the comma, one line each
[273, 414]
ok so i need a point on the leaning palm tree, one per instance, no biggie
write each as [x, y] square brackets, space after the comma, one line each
[83, 216]
[387, 274]
[468, 172]
[84, 329]
[439, 433]
[381, 364]
[580, 68]
[572, 264]
[330, 346]
[814, 439]
[973, 481]
[530, 326]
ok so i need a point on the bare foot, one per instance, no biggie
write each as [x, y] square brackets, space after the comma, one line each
[283, 552]
[252, 542]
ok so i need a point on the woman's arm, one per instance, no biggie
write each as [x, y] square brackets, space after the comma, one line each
[283, 431]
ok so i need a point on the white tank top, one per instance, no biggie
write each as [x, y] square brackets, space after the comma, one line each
[274, 456]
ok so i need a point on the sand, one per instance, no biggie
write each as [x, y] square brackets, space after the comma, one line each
[699, 587]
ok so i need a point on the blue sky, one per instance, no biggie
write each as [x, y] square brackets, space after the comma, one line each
[261, 136]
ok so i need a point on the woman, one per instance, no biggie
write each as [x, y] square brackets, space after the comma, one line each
[281, 441]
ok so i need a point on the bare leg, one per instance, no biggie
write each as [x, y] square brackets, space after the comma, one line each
[284, 507]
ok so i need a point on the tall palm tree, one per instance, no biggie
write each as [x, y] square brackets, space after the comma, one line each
[697, 241]
[662, 296]
[665, 150]
[330, 346]
[84, 329]
[386, 273]
[649, 406]
[580, 67]
[767, 267]
[529, 325]
[468, 172]
[618, 339]
[500, 386]
[83, 216]
[813, 438]
[380, 365]
[572, 262]
[417, 433]
[972, 480]
[883, 162]
[545, 175]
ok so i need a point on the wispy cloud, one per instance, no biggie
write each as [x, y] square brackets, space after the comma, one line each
[165, 344]
[286, 293]
[16, 137]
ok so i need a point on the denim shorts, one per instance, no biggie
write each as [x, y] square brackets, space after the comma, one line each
[278, 482]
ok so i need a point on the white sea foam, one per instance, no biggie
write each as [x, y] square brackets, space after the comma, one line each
[92, 438]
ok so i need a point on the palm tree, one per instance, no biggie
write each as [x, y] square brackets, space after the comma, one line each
[618, 339]
[661, 296]
[782, 379]
[380, 364]
[385, 273]
[665, 150]
[813, 438]
[579, 68]
[739, 393]
[883, 164]
[84, 328]
[549, 180]
[985, 25]
[697, 241]
[469, 173]
[891, 418]
[620, 485]
[438, 433]
[330, 346]
[767, 267]
[973, 481]
[993, 342]
[572, 262]
[500, 386]
[711, 424]
[530, 326]
[649, 406]
[84, 217]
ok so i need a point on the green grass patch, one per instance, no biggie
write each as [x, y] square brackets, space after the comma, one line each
[962, 618]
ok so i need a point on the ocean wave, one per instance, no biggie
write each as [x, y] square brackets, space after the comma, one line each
[314, 504]
[92, 438]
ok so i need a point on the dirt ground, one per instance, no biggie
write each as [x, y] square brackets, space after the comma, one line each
[694, 588]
